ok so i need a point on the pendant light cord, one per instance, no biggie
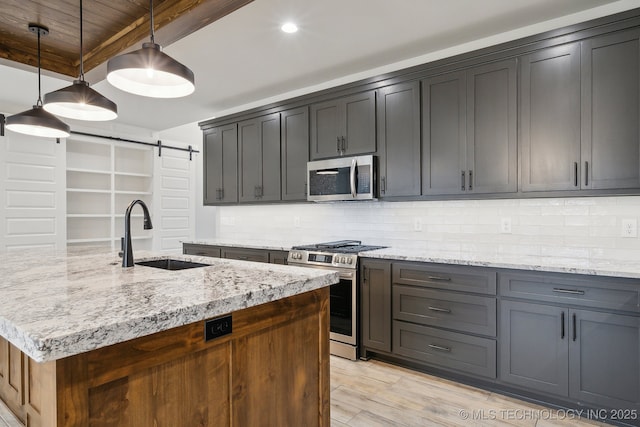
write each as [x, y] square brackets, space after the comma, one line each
[151, 10]
[81, 47]
[39, 102]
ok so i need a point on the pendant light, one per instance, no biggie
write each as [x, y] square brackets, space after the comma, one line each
[37, 121]
[79, 101]
[150, 72]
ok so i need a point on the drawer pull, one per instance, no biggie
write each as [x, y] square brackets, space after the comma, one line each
[438, 309]
[438, 347]
[244, 258]
[568, 291]
[439, 278]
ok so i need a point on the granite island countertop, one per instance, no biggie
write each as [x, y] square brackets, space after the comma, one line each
[61, 303]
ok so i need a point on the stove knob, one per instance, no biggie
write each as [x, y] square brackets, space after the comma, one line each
[343, 260]
[350, 261]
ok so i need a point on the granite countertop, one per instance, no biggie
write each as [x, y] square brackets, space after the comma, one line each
[250, 244]
[518, 262]
[624, 269]
[61, 303]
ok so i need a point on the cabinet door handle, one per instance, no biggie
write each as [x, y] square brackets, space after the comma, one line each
[568, 291]
[383, 184]
[439, 347]
[338, 144]
[586, 173]
[562, 325]
[440, 310]
[462, 182]
[575, 327]
[344, 145]
[222, 194]
[470, 180]
[575, 174]
[439, 278]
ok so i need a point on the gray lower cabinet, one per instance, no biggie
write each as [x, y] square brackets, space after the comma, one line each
[604, 359]
[201, 250]
[446, 349]
[588, 356]
[469, 140]
[465, 313]
[344, 126]
[232, 252]
[259, 159]
[399, 140]
[571, 336]
[221, 165]
[294, 142]
[534, 350]
[375, 297]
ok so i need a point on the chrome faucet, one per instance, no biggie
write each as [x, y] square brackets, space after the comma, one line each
[127, 250]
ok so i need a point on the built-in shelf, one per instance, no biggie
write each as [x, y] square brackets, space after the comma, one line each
[103, 177]
[87, 190]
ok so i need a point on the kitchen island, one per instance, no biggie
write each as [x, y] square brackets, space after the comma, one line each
[85, 342]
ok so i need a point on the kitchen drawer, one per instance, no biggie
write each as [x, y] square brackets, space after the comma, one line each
[464, 313]
[589, 291]
[255, 255]
[201, 250]
[451, 350]
[452, 278]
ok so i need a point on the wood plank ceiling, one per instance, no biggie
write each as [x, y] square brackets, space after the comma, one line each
[110, 27]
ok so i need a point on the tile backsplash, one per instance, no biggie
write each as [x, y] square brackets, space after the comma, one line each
[577, 229]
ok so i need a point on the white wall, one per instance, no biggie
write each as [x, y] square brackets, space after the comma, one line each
[579, 229]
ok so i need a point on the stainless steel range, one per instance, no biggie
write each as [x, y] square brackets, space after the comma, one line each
[344, 307]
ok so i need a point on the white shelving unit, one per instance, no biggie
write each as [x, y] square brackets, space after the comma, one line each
[103, 177]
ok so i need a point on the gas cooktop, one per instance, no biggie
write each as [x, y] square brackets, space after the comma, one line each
[339, 247]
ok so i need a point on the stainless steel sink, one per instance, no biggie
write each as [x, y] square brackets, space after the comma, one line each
[171, 264]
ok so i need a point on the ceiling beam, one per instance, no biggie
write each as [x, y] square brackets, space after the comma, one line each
[173, 19]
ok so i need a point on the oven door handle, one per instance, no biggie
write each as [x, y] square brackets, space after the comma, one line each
[352, 178]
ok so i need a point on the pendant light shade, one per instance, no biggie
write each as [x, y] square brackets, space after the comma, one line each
[36, 121]
[150, 72]
[79, 101]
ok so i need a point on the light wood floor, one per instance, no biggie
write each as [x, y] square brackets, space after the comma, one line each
[377, 394]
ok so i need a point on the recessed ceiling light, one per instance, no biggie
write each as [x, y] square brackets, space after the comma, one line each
[289, 27]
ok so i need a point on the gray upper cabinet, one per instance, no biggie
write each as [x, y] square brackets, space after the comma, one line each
[399, 140]
[469, 141]
[344, 126]
[550, 119]
[444, 118]
[611, 111]
[295, 152]
[259, 159]
[580, 115]
[492, 149]
[221, 165]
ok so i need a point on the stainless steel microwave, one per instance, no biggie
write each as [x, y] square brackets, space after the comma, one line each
[344, 178]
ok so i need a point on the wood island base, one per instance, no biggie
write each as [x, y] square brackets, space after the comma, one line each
[273, 369]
